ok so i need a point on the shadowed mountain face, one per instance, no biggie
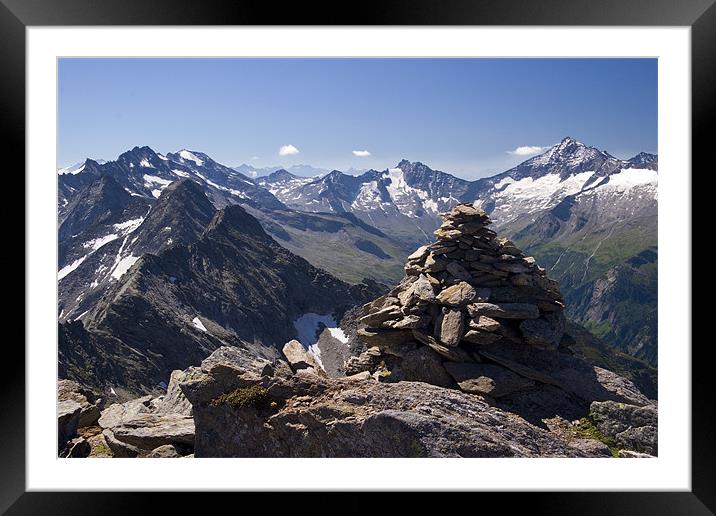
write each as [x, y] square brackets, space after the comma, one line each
[234, 285]
[104, 249]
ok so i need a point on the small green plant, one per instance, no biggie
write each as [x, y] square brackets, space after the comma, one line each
[586, 430]
[254, 396]
[101, 449]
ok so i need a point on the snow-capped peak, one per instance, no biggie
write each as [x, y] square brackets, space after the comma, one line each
[568, 153]
[78, 167]
[190, 156]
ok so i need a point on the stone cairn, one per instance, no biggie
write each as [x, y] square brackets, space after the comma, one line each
[465, 293]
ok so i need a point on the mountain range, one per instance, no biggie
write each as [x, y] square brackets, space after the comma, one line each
[588, 217]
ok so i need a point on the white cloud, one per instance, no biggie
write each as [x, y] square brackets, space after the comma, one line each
[254, 158]
[526, 150]
[287, 150]
[361, 153]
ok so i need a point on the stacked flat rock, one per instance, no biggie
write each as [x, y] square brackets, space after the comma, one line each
[467, 290]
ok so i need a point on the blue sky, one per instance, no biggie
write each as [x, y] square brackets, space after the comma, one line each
[465, 116]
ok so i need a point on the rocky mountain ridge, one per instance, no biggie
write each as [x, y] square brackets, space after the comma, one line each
[231, 284]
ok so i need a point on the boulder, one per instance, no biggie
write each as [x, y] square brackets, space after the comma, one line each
[299, 358]
[166, 451]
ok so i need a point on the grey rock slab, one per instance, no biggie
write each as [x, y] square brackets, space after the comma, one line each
[419, 253]
[487, 379]
[174, 401]
[115, 414]
[457, 295]
[149, 431]
[504, 310]
[480, 337]
[484, 323]
[409, 321]
[119, 449]
[451, 327]
[454, 354]
[380, 316]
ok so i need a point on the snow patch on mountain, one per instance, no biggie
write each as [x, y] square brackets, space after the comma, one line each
[198, 324]
[64, 271]
[631, 178]
[99, 242]
[406, 197]
[308, 324]
[190, 156]
[149, 179]
[368, 197]
[129, 225]
[123, 266]
[532, 194]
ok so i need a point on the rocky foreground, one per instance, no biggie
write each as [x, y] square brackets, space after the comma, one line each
[466, 357]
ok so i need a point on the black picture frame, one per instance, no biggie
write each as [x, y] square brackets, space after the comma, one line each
[17, 15]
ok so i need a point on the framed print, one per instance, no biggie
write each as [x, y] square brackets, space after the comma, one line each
[421, 249]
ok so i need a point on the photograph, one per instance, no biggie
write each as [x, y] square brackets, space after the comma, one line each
[376, 257]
